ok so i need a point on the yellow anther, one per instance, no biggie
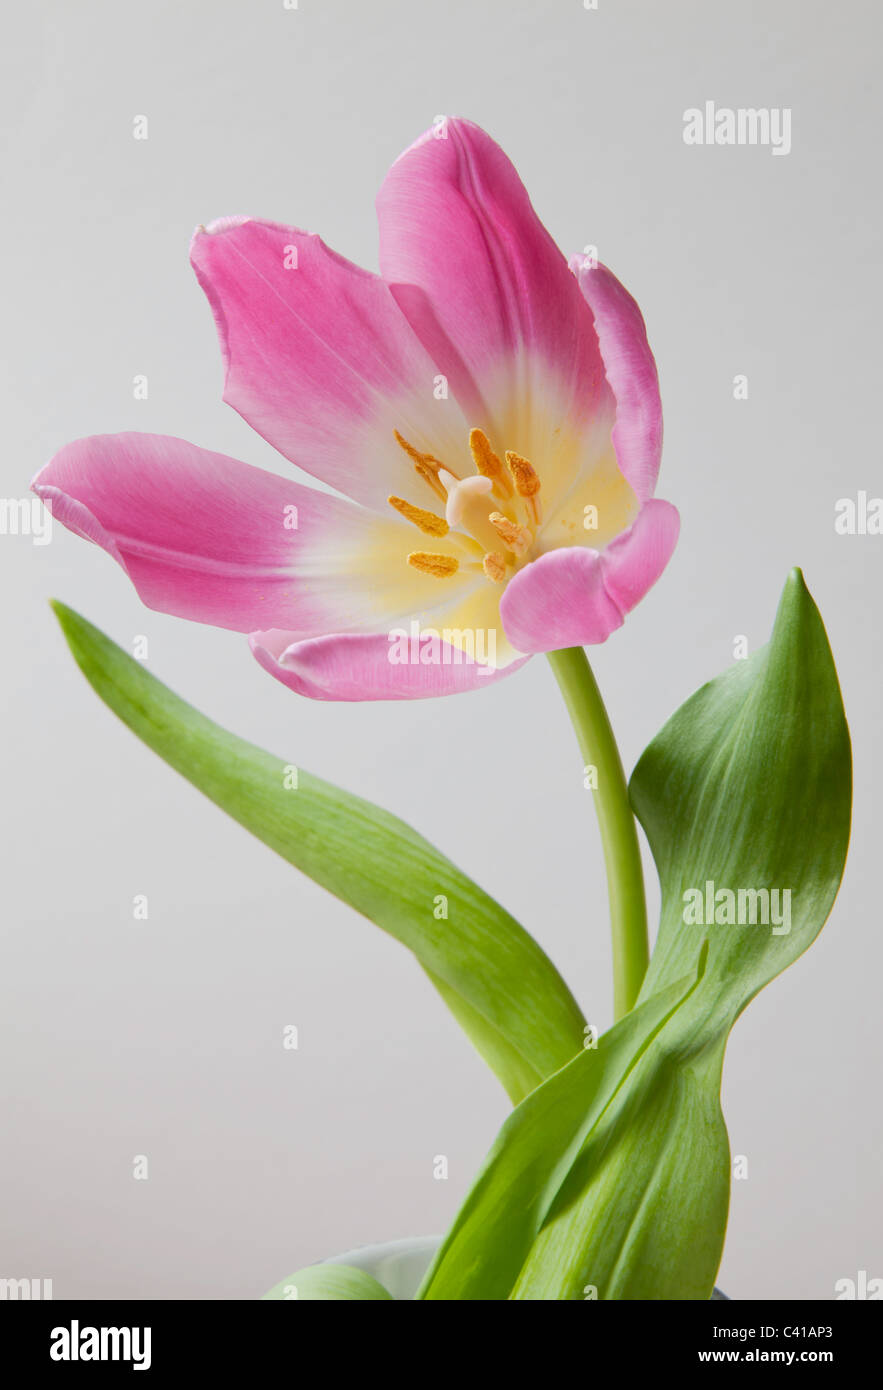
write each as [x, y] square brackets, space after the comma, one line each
[517, 538]
[428, 562]
[426, 465]
[487, 462]
[427, 521]
[409, 449]
[494, 566]
[527, 484]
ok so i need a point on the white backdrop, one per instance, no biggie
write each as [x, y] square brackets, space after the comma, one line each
[163, 1037]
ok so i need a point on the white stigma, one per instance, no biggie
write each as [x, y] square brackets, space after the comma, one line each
[462, 491]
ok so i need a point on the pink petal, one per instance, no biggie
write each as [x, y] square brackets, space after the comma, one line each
[559, 601]
[631, 371]
[482, 281]
[205, 537]
[319, 359]
[633, 562]
[359, 668]
[576, 597]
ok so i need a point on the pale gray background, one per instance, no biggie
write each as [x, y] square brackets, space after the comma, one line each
[164, 1038]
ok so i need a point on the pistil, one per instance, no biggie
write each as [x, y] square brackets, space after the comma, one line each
[466, 508]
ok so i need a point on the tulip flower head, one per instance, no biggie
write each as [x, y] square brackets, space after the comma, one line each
[487, 416]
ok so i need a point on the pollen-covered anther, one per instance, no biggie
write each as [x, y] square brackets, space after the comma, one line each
[527, 484]
[494, 566]
[426, 465]
[427, 521]
[487, 462]
[517, 538]
[429, 562]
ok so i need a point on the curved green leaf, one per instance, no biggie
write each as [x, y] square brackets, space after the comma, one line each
[747, 787]
[502, 988]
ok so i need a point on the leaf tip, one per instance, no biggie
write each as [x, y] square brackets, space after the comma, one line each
[796, 605]
[64, 614]
[68, 621]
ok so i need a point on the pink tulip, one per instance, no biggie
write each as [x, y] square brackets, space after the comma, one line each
[490, 416]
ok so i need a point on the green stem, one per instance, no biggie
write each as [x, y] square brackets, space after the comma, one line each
[619, 836]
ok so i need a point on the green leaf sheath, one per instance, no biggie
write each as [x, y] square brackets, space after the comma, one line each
[329, 1283]
[619, 835]
[500, 985]
[642, 1212]
[748, 786]
[483, 1255]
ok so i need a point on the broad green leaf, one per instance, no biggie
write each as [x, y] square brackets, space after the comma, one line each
[483, 1254]
[748, 786]
[642, 1213]
[329, 1283]
[500, 985]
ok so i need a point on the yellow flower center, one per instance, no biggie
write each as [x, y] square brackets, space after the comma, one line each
[493, 513]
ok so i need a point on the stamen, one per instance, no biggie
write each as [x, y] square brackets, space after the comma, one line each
[426, 465]
[428, 562]
[527, 484]
[413, 453]
[487, 462]
[503, 540]
[494, 566]
[431, 477]
[517, 538]
[427, 521]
